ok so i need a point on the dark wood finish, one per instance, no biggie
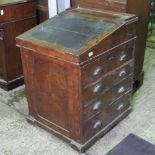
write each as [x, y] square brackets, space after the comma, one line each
[142, 10]
[17, 17]
[116, 108]
[78, 69]
[42, 11]
[112, 5]
[139, 7]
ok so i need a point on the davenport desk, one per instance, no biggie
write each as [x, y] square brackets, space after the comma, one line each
[16, 17]
[78, 69]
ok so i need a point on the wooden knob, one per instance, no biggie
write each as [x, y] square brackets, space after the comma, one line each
[123, 57]
[122, 73]
[98, 88]
[98, 71]
[120, 107]
[97, 105]
[121, 90]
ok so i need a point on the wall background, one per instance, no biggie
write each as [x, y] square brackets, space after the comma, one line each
[57, 6]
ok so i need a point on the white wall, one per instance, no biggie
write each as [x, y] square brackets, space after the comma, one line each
[63, 5]
[52, 4]
[57, 6]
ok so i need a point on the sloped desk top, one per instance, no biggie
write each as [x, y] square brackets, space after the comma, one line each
[74, 31]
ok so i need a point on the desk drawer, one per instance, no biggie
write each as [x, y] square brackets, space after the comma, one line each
[111, 112]
[95, 70]
[101, 102]
[112, 81]
[18, 11]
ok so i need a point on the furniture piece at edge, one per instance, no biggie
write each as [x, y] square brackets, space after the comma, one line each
[42, 11]
[16, 17]
[139, 7]
[78, 69]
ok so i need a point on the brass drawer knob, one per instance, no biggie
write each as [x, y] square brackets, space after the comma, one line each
[123, 57]
[98, 71]
[121, 90]
[97, 105]
[122, 73]
[98, 124]
[98, 88]
[120, 107]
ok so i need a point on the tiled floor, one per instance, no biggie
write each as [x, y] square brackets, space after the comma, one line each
[17, 137]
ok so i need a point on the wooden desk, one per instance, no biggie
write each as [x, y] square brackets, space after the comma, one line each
[78, 69]
[16, 16]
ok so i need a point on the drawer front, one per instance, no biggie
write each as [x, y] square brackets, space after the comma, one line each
[6, 13]
[95, 70]
[100, 88]
[94, 107]
[125, 36]
[122, 72]
[18, 11]
[100, 121]
[100, 103]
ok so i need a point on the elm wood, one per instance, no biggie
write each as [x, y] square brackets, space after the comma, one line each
[89, 94]
[139, 7]
[72, 82]
[118, 55]
[54, 80]
[100, 104]
[42, 11]
[18, 18]
[112, 77]
[83, 147]
[106, 115]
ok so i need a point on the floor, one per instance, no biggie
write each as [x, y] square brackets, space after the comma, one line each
[17, 137]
